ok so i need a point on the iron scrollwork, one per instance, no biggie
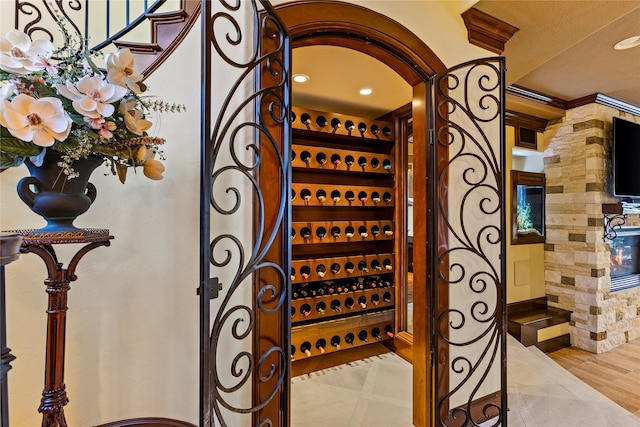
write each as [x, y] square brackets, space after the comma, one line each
[250, 126]
[469, 329]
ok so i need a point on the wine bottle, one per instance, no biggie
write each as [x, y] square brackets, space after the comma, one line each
[349, 232]
[335, 268]
[363, 336]
[362, 231]
[321, 307]
[321, 232]
[375, 230]
[362, 266]
[335, 232]
[305, 233]
[362, 302]
[292, 117]
[375, 332]
[320, 345]
[362, 196]
[375, 197]
[293, 274]
[305, 347]
[293, 155]
[321, 270]
[305, 119]
[321, 158]
[305, 156]
[335, 305]
[321, 289]
[305, 310]
[375, 163]
[335, 123]
[388, 330]
[386, 131]
[362, 128]
[349, 160]
[305, 272]
[293, 351]
[375, 299]
[386, 164]
[293, 233]
[321, 195]
[335, 196]
[306, 195]
[375, 129]
[335, 341]
[375, 265]
[362, 162]
[349, 338]
[321, 121]
[303, 292]
[348, 303]
[387, 230]
[293, 194]
[386, 197]
[386, 297]
[348, 267]
[350, 196]
[335, 159]
[348, 125]
[386, 263]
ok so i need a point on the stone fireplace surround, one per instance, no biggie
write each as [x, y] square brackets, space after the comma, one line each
[577, 259]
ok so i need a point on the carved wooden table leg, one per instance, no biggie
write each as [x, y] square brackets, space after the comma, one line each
[54, 395]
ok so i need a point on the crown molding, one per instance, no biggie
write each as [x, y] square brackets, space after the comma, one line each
[487, 31]
[517, 119]
[539, 97]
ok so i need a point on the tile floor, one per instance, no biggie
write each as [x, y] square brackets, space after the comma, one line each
[376, 392]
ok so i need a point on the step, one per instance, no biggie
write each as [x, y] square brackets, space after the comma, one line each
[553, 344]
[524, 325]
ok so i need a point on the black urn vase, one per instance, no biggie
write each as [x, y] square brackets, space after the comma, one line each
[57, 199]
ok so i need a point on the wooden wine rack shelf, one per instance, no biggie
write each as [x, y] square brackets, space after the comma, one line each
[375, 163]
[384, 297]
[368, 192]
[340, 327]
[312, 265]
[383, 227]
[385, 128]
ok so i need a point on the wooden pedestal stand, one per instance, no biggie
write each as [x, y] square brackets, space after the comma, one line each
[54, 395]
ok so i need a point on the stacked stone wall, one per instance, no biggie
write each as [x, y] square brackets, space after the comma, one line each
[577, 259]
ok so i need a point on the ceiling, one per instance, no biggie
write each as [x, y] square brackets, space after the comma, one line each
[563, 49]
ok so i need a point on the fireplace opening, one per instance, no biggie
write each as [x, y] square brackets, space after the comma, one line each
[625, 259]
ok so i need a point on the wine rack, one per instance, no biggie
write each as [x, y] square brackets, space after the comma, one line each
[343, 232]
[308, 233]
[378, 327]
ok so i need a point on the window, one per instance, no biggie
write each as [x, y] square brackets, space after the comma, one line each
[527, 207]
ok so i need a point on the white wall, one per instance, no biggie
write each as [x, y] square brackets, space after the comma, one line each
[132, 334]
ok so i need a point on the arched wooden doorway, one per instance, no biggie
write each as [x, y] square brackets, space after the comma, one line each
[351, 26]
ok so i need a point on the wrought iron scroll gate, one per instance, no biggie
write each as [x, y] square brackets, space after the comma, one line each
[468, 328]
[245, 172]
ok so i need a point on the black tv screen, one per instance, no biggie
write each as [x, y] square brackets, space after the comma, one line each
[626, 159]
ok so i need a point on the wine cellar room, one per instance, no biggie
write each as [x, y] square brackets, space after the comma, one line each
[352, 209]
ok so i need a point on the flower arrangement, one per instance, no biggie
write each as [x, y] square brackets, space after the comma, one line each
[59, 99]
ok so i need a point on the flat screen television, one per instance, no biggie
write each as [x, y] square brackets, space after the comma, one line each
[626, 159]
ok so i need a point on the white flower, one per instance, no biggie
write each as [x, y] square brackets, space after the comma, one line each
[20, 55]
[7, 90]
[92, 96]
[120, 70]
[133, 118]
[42, 121]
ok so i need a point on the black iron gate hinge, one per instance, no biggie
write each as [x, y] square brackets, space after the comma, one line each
[214, 286]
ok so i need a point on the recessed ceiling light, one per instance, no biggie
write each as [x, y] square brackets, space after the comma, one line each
[366, 91]
[627, 43]
[300, 78]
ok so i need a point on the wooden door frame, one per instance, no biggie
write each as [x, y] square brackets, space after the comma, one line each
[322, 22]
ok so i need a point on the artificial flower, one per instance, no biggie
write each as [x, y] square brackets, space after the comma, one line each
[42, 121]
[20, 55]
[151, 168]
[7, 90]
[120, 67]
[92, 96]
[106, 130]
[133, 118]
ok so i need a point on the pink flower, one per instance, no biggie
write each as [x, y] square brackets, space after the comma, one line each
[42, 121]
[106, 128]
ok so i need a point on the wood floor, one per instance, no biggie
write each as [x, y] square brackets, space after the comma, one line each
[616, 374]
